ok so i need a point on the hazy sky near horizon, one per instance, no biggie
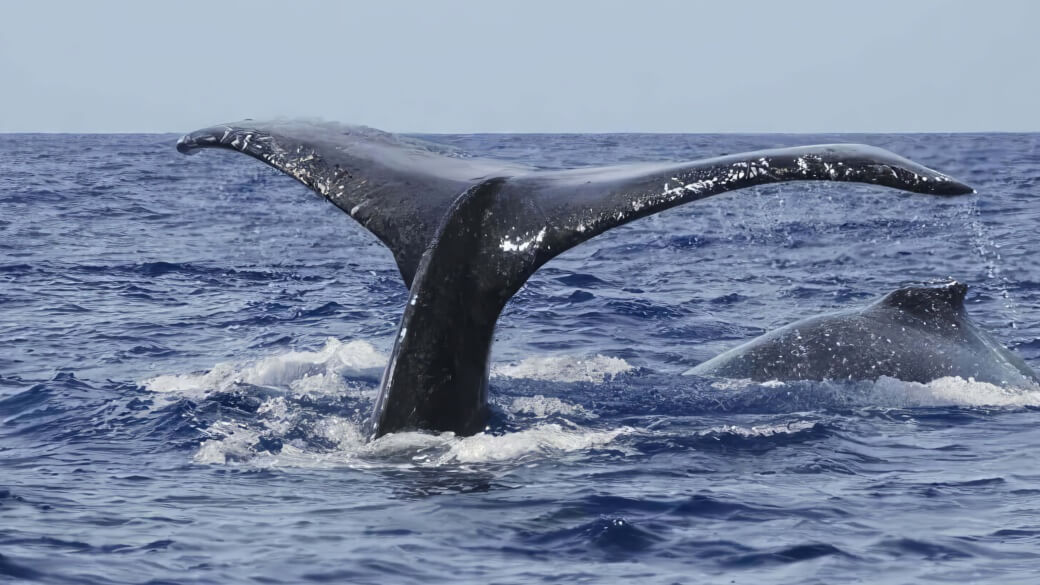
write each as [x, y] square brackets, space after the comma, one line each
[524, 66]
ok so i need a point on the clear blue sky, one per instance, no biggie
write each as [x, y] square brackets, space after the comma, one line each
[526, 66]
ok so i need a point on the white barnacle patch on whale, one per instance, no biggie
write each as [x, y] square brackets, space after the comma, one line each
[519, 245]
[695, 187]
[739, 171]
[805, 164]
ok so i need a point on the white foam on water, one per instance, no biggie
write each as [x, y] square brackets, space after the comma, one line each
[333, 441]
[321, 440]
[320, 372]
[236, 444]
[192, 384]
[540, 406]
[757, 431]
[547, 439]
[951, 391]
[564, 368]
[894, 393]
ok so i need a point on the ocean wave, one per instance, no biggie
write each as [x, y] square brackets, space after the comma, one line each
[239, 443]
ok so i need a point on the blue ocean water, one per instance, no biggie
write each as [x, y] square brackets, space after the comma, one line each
[190, 344]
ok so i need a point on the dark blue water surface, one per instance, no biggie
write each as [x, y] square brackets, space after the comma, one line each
[190, 344]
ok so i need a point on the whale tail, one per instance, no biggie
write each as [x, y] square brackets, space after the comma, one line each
[466, 233]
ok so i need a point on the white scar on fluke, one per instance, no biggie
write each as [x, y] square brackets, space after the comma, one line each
[521, 245]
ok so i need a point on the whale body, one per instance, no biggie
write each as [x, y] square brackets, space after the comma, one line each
[914, 334]
[466, 233]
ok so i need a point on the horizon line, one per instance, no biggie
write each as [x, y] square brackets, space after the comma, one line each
[566, 133]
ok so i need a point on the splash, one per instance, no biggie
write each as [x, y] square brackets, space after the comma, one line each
[547, 440]
[321, 372]
[565, 368]
[952, 391]
[290, 429]
[311, 406]
[885, 392]
[236, 443]
[540, 406]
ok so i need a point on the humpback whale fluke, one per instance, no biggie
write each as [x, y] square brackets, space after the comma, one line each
[466, 233]
[914, 334]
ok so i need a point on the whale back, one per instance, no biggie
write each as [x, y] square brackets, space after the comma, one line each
[914, 334]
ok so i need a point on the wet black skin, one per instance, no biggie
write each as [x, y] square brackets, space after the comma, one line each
[914, 334]
[467, 233]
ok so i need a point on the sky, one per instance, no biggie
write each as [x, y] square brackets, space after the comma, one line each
[523, 65]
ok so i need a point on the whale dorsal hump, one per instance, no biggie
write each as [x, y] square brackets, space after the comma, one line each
[928, 302]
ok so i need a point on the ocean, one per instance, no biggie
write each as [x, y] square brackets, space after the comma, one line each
[190, 347]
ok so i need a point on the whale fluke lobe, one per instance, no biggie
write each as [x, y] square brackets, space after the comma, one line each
[466, 233]
[914, 334]
[397, 188]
